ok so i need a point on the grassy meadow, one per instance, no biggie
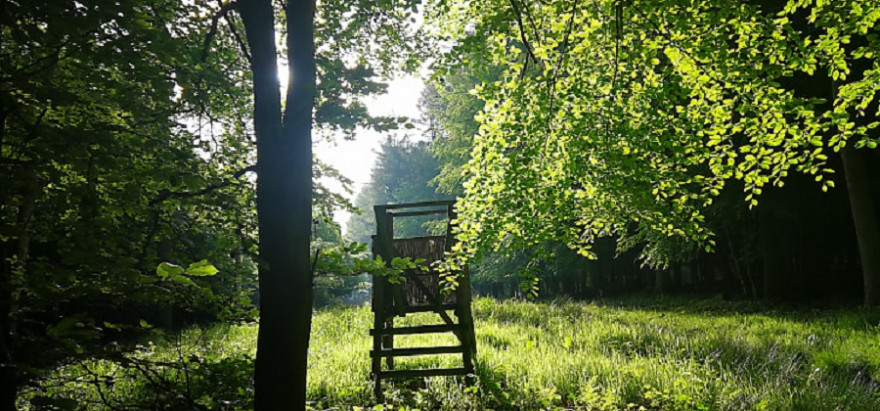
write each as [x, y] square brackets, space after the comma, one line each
[661, 354]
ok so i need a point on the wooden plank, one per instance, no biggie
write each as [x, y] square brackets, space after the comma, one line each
[416, 213]
[420, 204]
[433, 372]
[432, 307]
[409, 352]
[422, 237]
[382, 246]
[419, 329]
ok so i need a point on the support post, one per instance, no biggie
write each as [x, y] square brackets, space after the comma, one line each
[388, 342]
[378, 314]
[463, 301]
[383, 247]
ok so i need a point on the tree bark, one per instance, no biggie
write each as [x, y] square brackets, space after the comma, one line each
[284, 190]
[865, 219]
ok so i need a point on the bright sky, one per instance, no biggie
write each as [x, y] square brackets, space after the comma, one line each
[354, 159]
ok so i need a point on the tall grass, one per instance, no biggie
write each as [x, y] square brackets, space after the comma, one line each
[668, 354]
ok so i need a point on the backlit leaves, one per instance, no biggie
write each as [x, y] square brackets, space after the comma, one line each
[633, 118]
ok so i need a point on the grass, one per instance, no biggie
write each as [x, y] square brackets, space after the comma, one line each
[663, 354]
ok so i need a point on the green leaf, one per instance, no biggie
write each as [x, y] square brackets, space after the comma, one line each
[201, 269]
[164, 270]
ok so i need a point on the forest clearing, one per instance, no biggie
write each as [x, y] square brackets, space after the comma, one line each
[288, 204]
[646, 353]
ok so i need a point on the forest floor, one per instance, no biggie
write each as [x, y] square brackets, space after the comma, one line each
[625, 354]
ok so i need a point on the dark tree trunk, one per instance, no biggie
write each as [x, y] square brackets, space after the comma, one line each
[865, 219]
[775, 249]
[284, 190]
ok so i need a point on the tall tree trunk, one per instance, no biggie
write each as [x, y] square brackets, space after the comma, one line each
[865, 219]
[284, 190]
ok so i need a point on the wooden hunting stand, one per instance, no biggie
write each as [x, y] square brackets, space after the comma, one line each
[420, 292]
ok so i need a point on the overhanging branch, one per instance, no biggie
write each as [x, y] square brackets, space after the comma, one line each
[522, 32]
[168, 194]
[215, 20]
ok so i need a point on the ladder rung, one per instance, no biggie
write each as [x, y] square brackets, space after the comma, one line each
[403, 352]
[426, 308]
[434, 372]
[420, 329]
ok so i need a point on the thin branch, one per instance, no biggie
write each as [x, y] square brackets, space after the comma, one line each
[560, 62]
[673, 43]
[618, 33]
[215, 20]
[98, 384]
[528, 14]
[522, 73]
[167, 194]
[522, 32]
[241, 44]
[32, 134]
[315, 264]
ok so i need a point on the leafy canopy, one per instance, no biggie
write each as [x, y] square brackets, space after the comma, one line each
[627, 118]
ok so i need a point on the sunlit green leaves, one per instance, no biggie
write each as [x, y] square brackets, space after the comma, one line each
[639, 122]
[201, 269]
[166, 270]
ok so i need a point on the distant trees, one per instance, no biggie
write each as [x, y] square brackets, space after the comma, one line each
[401, 174]
[629, 119]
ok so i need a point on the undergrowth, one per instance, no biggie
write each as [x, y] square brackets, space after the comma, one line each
[662, 354]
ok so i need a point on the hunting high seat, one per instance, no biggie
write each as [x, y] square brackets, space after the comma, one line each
[420, 292]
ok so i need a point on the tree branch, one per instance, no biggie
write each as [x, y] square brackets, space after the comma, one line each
[522, 32]
[238, 39]
[531, 20]
[618, 34]
[168, 194]
[560, 62]
[215, 20]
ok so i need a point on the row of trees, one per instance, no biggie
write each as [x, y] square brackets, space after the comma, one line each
[401, 174]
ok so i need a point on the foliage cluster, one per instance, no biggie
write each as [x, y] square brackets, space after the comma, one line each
[127, 144]
[627, 119]
[121, 148]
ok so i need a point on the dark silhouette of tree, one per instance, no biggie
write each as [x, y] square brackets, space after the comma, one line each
[284, 167]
